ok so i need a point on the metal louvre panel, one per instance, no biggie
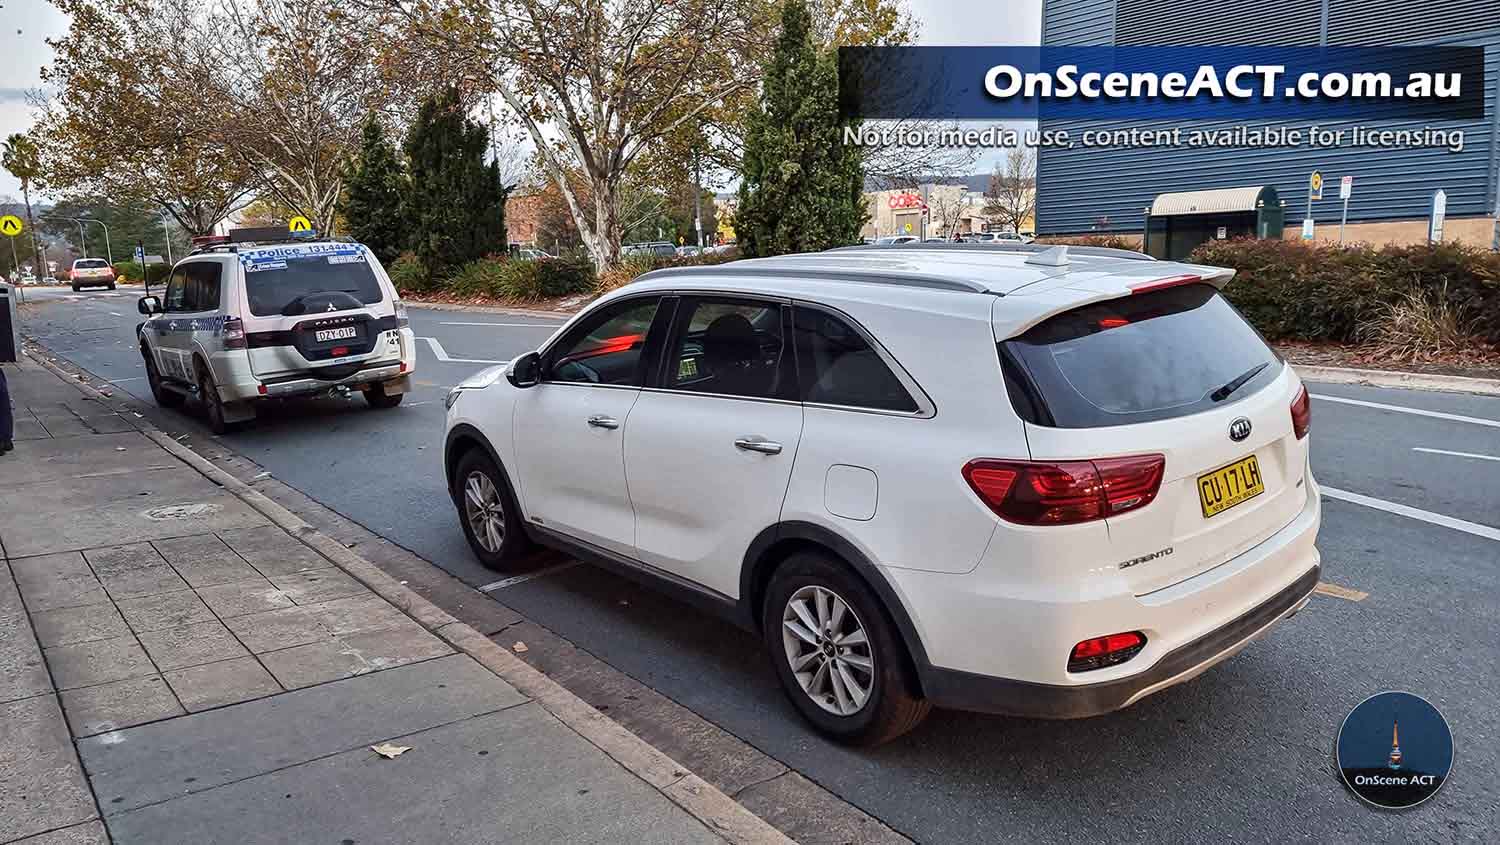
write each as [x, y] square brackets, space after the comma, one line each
[1078, 22]
[1382, 22]
[1290, 22]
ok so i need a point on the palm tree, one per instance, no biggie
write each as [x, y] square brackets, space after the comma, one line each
[20, 156]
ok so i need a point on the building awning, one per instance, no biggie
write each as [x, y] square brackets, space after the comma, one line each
[1218, 201]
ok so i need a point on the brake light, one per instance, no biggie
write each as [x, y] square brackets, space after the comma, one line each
[1301, 413]
[233, 334]
[1168, 282]
[401, 319]
[1065, 492]
[1100, 652]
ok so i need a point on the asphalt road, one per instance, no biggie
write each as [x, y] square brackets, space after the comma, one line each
[1243, 753]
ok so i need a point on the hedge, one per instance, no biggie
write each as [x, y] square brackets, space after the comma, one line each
[131, 270]
[1294, 290]
[635, 265]
[521, 279]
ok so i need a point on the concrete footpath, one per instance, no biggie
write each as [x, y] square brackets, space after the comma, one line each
[175, 666]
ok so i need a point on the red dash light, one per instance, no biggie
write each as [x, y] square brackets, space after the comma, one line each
[1168, 282]
[1100, 652]
[1113, 322]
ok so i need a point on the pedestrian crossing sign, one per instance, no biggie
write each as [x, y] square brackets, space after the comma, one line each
[299, 224]
[10, 225]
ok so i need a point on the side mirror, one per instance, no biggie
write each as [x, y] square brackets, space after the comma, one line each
[148, 305]
[525, 371]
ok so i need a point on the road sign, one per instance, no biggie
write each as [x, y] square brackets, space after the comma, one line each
[140, 255]
[11, 225]
[1315, 185]
[1346, 187]
[1439, 213]
[299, 224]
[1222, 233]
[1307, 229]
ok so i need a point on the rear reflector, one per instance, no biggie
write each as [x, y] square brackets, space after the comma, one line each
[1065, 492]
[1301, 413]
[1168, 282]
[233, 334]
[1100, 652]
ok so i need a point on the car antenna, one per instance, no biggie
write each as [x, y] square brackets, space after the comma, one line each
[1054, 257]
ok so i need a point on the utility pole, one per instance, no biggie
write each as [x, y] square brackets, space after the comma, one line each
[697, 200]
[166, 235]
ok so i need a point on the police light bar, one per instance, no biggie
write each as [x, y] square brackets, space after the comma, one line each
[258, 234]
[210, 240]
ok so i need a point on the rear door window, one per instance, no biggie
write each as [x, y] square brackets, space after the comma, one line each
[837, 366]
[1139, 358]
[292, 281]
[202, 286]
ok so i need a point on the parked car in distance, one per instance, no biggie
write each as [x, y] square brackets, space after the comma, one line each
[665, 248]
[689, 250]
[1007, 481]
[533, 254]
[91, 272]
[896, 239]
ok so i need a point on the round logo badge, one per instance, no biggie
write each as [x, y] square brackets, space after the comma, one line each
[1394, 750]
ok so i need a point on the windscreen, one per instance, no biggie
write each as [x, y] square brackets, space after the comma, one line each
[276, 280]
[90, 264]
[1152, 356]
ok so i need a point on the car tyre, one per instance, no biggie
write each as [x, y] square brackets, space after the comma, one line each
[75, 288]
[111, 285]
[213, 404]
[488, 511]
[164, 398]
[859, 644]
[378, 398]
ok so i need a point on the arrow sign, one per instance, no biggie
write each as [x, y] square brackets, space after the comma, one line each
[10, 225]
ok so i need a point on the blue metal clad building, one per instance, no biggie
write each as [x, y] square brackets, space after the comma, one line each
[1084, 189]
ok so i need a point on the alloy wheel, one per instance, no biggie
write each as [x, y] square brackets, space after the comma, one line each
[828, 650]
[485, 512]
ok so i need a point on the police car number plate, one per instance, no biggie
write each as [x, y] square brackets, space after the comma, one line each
[343, 333]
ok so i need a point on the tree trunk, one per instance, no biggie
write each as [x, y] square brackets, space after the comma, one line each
[604, 241]
[37, 256]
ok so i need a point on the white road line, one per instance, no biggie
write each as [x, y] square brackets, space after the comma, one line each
[1421, 412]
[1456, 454]
[1485, 531]
[115, 314]
[442, 354]
[118, 380]
[530, 576]
[508, 325]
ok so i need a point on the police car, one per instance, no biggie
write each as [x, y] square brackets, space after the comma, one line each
[261, 314]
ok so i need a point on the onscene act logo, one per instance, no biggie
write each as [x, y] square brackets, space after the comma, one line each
[1394, 750]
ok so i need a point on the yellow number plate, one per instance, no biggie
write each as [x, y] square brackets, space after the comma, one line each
[1222, 489]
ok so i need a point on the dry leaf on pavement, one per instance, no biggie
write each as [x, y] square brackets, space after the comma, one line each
[389, 751]
[519, 647]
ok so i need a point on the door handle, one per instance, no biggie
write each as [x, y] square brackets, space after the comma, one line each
[601, 421]
[758, 444]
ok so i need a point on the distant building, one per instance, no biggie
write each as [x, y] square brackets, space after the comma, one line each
[928, 211]
[1097, 190]
[522, 214]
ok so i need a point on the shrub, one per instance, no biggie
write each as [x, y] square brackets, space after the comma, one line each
[409, 274]
[1302, 291]
[632, 266]
[153, 274]
[1106, 241]
[1420, 326]
[519, 279]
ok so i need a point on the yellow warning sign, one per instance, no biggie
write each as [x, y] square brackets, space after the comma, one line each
[1315, 185]
[10, 225]
[299, 224]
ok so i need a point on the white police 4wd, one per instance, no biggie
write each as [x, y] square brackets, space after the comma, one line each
[257, 315]
[1040, 482]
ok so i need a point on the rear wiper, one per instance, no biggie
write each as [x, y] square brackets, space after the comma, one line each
[1239, 381]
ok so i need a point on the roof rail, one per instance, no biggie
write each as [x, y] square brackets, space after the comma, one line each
[1100, 251]
[912, 280]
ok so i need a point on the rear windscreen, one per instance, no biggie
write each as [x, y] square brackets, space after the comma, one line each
[1138, 358]
[276, 281]
[90, 264]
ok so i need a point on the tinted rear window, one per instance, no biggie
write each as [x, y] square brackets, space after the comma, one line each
[90, 263]
[1135, 359]
[276, 280]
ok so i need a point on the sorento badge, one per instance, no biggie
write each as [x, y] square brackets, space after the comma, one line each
[1394, 750]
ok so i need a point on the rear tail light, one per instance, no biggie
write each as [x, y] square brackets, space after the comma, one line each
[401, 318]
[1065, 492]
[1301, 413]
[234, 333]
[1100, 652]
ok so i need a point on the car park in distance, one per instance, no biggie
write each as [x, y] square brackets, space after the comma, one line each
[91, 272]
[258, 315]
[1010, 479]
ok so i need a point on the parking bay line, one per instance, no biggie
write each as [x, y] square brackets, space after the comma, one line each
[1326, 589]
[442, 354]
[530, 576]
[1421, 412]
[1478, 530]
[1456, 454]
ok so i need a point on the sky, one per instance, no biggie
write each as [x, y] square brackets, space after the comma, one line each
[25, 24]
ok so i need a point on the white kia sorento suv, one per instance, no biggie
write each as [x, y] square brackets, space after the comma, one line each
[1036, 481]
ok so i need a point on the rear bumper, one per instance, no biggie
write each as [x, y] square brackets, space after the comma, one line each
[238, 381]
[979, 693]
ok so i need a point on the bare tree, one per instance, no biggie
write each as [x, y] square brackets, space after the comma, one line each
[946, 206]
[1011, 197]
